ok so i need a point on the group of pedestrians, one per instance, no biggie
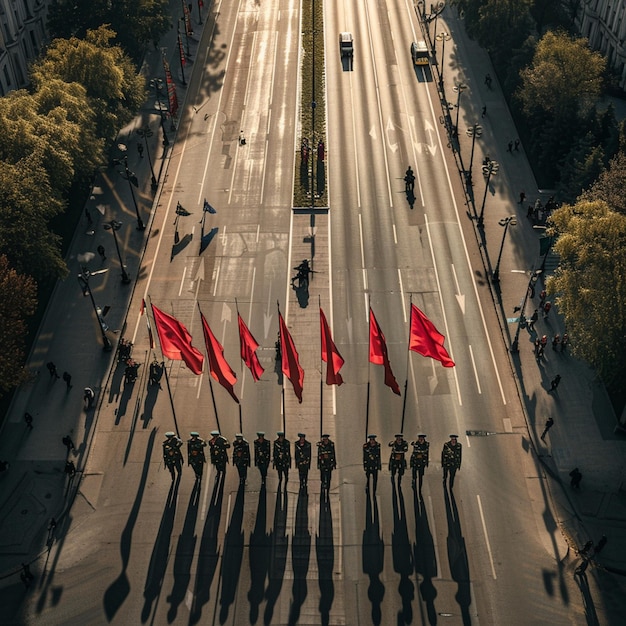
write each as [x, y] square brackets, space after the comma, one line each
[278, 454]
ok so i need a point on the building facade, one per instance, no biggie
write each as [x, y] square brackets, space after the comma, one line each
[603, 23]
[23, 35]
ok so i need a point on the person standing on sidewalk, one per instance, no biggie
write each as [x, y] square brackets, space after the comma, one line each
[68, 443]
[533, 319]
[576, 477]
[28, 418]
[547, 427]
[67, 379]
[556, 381]
[52, 368]
[88, 396]
[101, 252]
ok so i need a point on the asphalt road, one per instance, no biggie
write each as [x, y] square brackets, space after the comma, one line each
[139, 549]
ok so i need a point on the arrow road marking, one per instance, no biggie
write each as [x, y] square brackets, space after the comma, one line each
[460, 298]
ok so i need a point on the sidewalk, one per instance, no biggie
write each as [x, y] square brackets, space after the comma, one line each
[36, 489]
[583, 435]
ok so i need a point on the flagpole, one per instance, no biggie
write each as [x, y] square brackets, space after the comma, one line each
[406, 382]
[217, 419]
[281, 338]
[167, 379]
[319, 302]
[369, 367]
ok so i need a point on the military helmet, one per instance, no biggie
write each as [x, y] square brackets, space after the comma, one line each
[215, 433]
[170, 434]
[194, 434]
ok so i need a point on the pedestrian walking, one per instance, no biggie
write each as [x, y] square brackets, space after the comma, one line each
[101, 252]
[195, 454]
[241, 457]
[67, 378]
[542, 298]
[529, 211]
[488, 80]
[484, 111]
[140, 150]
[302, 458]
[218, 446]
[600, 545]
[547, 427]
[510, 147]
[516, 145]
[451, 459]
[281, 457]
[371, 462]
[556, 381]
[556, 340]
[546, 309]
[326, 460]
[419, 459]
[397, 461]
[564, 342]
[585, 549]
[533, 319]
[52, 368]
[28, 418]
[88, 396]
[576, 477]
[26, 575]
[262, 454]
[68, 443]
[522, 197]
[70, 468]
[172, 456]
[52, 525]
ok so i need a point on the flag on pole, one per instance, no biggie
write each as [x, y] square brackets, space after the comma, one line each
[181, 52]
[182, 211]
[330, 354]
[176, 341]
[218, 366]
[248, 346]
[208, 208]
[289, 359]
[426, 340]
[378, 353]
[172, 98]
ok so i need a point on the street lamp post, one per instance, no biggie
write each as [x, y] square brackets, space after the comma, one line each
[132, 181]
[489, 170]
[475, 131]
[460, 88]
[83, 281]
[443, 37]
[145, 133]
[534, 276]
[506, 222]
[114, 226]
[157, 83]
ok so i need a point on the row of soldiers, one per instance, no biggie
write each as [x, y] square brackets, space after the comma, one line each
[280, 458]
[420, 458]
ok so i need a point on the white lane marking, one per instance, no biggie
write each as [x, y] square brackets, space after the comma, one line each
[443, 309]
[474, 368]
[182, 280]
[482, 519]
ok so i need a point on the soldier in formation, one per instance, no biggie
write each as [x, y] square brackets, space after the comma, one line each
[371, 461]
[419, 459]
[302, 456]
[281, 457]
[241, 457]
[326, 460]
[218, 446]
[397, 460]
[172, 456]
[451, 459]
[262, 454]
[195, 454]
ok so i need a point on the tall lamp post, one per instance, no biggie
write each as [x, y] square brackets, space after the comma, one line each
[530, 289]
[443, 37]
[506, 222]
[489, 170]
[460, 88]
[474, 132]
[114, 226]
[83, 281]
[145, 133]
[132, 181]
[157, 83]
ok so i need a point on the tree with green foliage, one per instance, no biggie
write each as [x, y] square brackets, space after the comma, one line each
[137, 23]
[27, 204]
[589, 285]
[17, 303]
[610, 185]
[503, 25]
[114, 89]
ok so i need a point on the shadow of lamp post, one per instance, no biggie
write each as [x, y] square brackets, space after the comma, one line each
[530, 290]
[132, 181]
[114, 226]
[145, 133]
[489, 170]
[506, 222]
[474, 132]
[83, 281]
[460, 88]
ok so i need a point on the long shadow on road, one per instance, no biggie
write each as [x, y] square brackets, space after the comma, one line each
[278, 559]
[325, 549]
[300, 556]
[402, 556]
[259, 557]
[373, 556]
[424, 557]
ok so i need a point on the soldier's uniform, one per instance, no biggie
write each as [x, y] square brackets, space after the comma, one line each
[451, 459]
[195, 454]
[371, 461]
[262, 454]
[302, 456]
[241, 457]
[219, 457]
[326, 460]
[397, 461]
[419, 458]
[172, 456]
[281, 457]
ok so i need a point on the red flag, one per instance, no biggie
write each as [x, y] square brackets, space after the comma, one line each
[218, 366]
[176, 341]
[330, 354]
[248, 346]
[426, 339]
[289, 358]
[378, 353]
